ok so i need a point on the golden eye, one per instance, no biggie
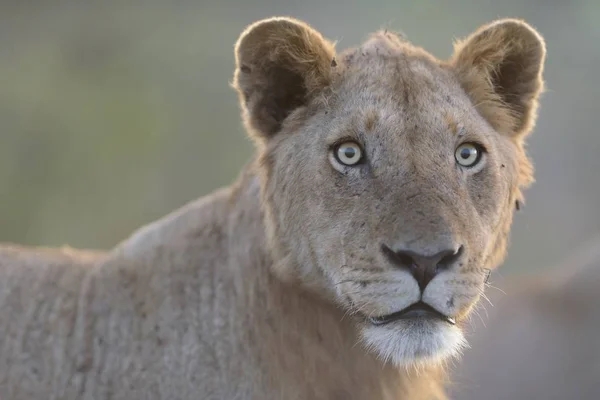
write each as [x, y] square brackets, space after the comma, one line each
[468, 154]
[348, 153]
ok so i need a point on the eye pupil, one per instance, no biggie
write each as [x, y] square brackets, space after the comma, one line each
[465, 153]
[349, 152]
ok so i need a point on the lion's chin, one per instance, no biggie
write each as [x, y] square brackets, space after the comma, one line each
[414, 342]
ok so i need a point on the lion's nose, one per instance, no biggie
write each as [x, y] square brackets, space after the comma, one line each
[423, 267]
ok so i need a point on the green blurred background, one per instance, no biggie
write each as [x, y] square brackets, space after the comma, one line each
[114, 113]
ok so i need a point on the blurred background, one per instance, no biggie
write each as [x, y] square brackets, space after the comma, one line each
[115, 113]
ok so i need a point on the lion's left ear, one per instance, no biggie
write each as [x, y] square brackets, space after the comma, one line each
[500, 66]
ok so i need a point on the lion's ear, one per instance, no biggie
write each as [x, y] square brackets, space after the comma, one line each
[500, 66]
[281, 63]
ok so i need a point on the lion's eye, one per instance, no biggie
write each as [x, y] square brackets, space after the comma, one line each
[468, 154]
[348, 153]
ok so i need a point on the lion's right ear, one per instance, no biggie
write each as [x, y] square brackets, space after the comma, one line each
[281, 64]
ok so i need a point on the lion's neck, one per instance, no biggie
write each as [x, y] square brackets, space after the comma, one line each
[301, 342]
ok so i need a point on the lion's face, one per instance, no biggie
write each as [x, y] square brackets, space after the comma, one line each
[386, 187]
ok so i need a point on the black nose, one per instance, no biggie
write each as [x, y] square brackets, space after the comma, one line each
[423, 267]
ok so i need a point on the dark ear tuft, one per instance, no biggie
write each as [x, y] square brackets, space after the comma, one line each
[500, 66]
[281, 64]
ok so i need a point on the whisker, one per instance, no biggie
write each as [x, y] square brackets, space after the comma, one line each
[484, 296]
[494, 287]
[353, 310]
[359, 310]
[476, 312]
[348, 311]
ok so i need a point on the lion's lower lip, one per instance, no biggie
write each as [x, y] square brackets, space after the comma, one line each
[418, 310]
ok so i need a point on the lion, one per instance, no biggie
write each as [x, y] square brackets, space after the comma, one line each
[343, 261]
[540, 338]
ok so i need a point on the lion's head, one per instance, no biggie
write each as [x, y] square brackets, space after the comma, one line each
[389, 178]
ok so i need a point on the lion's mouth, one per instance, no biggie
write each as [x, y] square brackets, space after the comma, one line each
[419, 310]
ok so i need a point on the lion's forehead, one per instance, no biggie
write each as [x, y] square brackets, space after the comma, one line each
[399, 89]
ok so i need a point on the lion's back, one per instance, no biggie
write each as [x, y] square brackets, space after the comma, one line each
[39, 299]
[140, 321]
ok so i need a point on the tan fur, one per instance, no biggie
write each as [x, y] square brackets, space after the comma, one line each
[274, 56]
[540, 339]
[263, 290]
[485, 60]
[488, 59]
